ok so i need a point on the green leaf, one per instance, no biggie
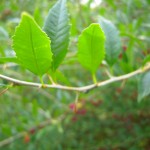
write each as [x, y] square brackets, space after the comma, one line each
[62, 78]
[91, 49]
[32, 46]
[113, 42]
[58, 76]
[146, 60]
[38, 17]
[144, 86]
[8, 59]
[57, 28]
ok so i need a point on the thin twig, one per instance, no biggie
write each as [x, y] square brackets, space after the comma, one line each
[17, 82]
[11, 139]
[22, 134]
[51, 80]
[108, 73]
[3, 91]
[6, 89]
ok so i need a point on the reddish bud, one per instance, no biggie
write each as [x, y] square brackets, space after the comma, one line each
[26, 138]
[32, 131]
[7, 12]
[73, 107]
[96, 103]
[120, 56]
[81, 112]
[74, 119]
[119, 90]
[124, 48]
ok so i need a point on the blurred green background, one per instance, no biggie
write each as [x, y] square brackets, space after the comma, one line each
[109, 118]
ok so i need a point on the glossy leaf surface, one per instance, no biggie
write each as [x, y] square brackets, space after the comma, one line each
[57, 28]
[32, 46]
[91, 49]
[112, 43]
[144, 86]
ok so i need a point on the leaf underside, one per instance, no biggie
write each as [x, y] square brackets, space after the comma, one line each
[113, 42]
[91, 49]
[57, 28]
[32, 46]
[144, 86]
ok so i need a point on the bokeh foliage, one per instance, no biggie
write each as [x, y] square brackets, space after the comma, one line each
[109, 117]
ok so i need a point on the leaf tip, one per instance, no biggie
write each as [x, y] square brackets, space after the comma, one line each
[24, 13]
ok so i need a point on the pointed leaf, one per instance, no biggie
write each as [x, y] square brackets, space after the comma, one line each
[144, 86]
[8, 59]
[32, 46]
[58, 76]
[113, 42]
[91, 49]
[57, 28]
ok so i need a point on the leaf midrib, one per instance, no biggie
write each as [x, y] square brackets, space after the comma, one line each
[56, 31]
[93, 31]
[33, 50]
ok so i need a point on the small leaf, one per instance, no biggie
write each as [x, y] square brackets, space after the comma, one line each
[38, 16]
[146, 60]
[32, 46]
[91, 49]
[8, 59]
[58, 76]
[113, 42]
[57, 28]
[144, 86]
